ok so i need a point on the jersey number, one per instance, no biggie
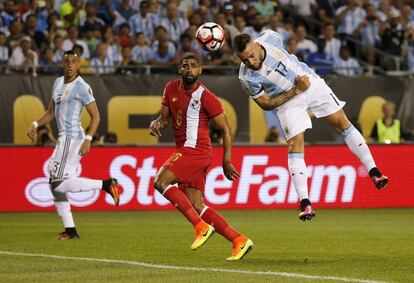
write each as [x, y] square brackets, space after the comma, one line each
[281, 69]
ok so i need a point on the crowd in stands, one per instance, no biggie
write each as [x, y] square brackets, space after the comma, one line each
[114, 36]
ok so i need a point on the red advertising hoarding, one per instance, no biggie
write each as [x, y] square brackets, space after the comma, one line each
[336, 178]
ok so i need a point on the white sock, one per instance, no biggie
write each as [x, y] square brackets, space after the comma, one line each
[63, 209]
[75, 185]
[299, 173]
[358, 146]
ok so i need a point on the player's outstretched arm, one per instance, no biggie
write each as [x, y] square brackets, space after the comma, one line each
[44, 120]
[269, 103]
[229, 171]
[93, 112]
[160, 123]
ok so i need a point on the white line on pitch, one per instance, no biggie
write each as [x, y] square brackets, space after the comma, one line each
[176, 267]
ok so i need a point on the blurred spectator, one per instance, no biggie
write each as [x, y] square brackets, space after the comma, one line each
[223, 57]
[4, 49]
[91, 21]
[321, 62]
[125, 38]
[44, 136]
[16, 33]
[125, 10]
[196, 19]
[141, 53]
[392, 35]
[127, 65]
[161, 56]
[388, 129]
[208, 11]
[102, 64]
[407, 16]
[84, 65]
[23, 58]
[47, 66]
[174, 24]
[258, 22]
[185, 47]
[113, 50]
[42, 11]
[276, 24]
[70, 12]
[305, 45]
[345, 65]
[349, 17]
[8, 14]
[144, 21]
[333, 45]
[73, 34]
[292, 47]
[305, 9]
[265, 8]
[55, 27]
[58, 48]
[221, 20]
[91, 37]
[110, 137]
[272, 135]
[38, 37]
[385, 9]
[369, 28]
[409, 50]
[105, 11]
[161, 34]
[240, 24]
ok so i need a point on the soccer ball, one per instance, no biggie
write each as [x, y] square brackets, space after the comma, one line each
[210, 36]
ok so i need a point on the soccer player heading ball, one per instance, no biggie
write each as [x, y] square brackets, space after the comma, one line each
[274, 79]
[190, 106]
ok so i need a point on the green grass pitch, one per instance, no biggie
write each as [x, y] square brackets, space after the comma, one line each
[371, 244]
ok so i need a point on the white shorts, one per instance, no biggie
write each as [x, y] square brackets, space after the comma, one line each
[319, 99]
[65, 158]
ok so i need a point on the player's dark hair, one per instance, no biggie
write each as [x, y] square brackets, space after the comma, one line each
[189, 55]
[241, 41]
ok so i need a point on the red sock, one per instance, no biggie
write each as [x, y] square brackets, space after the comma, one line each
[213, 218]
[180, 201]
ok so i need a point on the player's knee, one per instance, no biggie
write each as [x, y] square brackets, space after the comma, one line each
[160, 185]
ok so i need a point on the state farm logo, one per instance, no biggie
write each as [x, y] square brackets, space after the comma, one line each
[37, 192]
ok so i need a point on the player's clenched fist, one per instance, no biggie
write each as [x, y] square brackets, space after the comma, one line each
[302, 83]
[154, 129]
[32, 132]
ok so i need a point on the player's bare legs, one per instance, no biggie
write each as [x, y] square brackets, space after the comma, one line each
[241, 244]
[299, 173]
[357, 145]
[163, 182]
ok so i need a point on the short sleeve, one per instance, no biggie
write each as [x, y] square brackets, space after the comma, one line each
[165, 96]
[85, 94]
[254, 90]
[211, 104]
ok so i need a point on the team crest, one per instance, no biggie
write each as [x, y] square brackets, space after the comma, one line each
[195, 104]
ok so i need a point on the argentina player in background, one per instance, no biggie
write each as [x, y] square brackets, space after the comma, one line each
[70, 94]
[267, 71]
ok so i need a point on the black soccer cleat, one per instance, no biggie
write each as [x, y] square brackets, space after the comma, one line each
[306, 211]
[67, 236]
[380, 181]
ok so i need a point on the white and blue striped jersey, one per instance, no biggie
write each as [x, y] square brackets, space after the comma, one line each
[69, 100]
[279, 69]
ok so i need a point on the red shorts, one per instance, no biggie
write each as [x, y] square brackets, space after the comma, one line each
[190, 167]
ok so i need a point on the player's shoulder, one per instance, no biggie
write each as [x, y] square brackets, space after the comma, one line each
[173, 84]
[82, 82]
[206, 90]
[58, 80]
[269, 34]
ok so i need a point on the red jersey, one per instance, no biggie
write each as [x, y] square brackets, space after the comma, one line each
[191, 111]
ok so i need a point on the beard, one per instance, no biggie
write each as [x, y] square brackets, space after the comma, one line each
[189, 80]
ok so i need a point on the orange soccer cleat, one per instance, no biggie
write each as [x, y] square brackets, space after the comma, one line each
[202, 232]
[241, 246]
